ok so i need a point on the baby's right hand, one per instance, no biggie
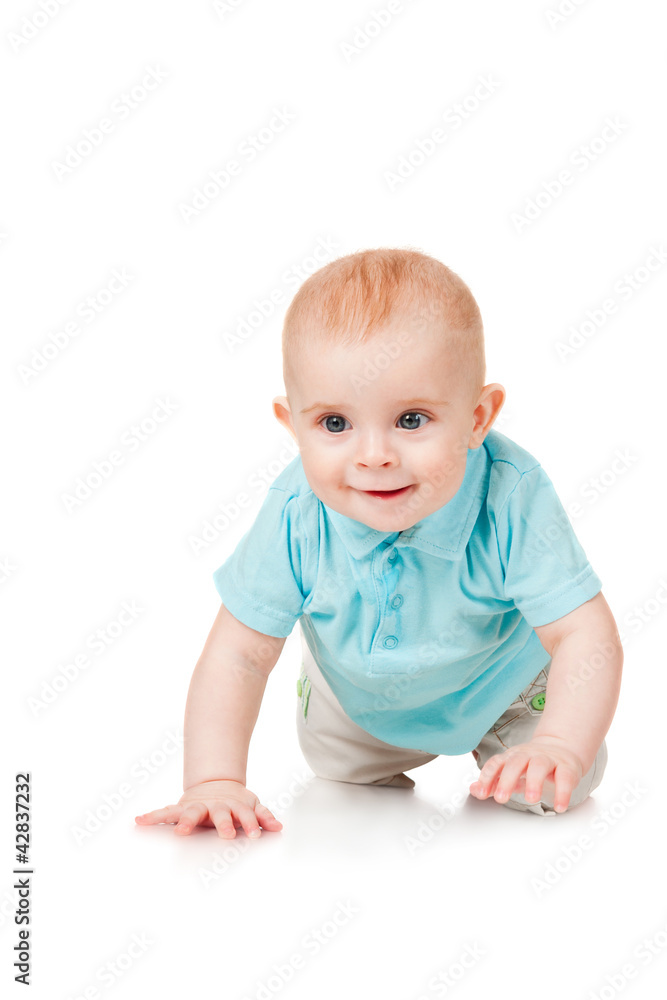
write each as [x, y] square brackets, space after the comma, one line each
[223, 804]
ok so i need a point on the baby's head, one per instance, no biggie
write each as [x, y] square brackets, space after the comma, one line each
[383, 364]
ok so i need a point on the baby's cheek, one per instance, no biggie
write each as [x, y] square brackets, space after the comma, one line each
[441, 483]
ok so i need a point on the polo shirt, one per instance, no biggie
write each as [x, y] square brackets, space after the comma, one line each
[426, 635]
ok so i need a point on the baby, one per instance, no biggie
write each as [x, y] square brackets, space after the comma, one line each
[445, 604]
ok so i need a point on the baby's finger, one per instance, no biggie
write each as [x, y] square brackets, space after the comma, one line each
[169, 814]
[509, 778]
[488, 775]
[221, 818]
[191, 816]
[565, 781]
[266, 817]
[538, 769]
[481, 789]
[490, 787]
[248, 820]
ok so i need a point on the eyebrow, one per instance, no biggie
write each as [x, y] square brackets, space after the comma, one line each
[401, 403]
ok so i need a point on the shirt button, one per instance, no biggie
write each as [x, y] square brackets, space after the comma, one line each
[538, 702]
[392, 555]
[390, 642]
[397, 601]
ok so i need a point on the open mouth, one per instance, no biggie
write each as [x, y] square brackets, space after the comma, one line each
[387, 494]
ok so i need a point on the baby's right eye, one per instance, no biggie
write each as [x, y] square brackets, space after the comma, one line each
[334, 417]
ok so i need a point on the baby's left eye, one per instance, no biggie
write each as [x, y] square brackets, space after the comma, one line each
[411, 417]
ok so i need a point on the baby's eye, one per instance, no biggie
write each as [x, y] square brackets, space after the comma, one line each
[335, 427]
[411, 417]
[335, 423]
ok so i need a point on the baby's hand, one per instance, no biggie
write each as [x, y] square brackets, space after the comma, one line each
[544, 758]
[223, 804]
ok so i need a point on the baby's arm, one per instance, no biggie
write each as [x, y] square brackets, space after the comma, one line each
[222, 707]
[581, 698]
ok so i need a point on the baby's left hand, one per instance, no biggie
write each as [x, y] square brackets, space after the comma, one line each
[545, 758]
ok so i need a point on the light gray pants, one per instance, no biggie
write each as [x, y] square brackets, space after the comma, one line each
[337, 748]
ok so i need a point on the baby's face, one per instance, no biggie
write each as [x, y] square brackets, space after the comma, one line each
[383, 427]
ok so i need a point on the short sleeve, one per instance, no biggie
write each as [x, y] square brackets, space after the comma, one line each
[260, 583]
[547, 573]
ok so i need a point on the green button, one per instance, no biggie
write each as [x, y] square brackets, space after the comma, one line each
[538, 701]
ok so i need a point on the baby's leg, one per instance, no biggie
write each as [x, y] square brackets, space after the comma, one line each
[337, 748]
[517, 725]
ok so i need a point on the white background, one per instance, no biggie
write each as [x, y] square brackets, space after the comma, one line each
[471, 888]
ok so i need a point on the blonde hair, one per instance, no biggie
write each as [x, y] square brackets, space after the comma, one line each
[351, 298]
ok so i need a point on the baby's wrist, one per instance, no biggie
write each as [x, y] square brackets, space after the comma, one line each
[208, 781]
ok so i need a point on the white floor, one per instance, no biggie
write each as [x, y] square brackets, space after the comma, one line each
[137, 426]
[366, 891]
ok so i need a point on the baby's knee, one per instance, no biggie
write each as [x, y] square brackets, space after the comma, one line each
[357, 774]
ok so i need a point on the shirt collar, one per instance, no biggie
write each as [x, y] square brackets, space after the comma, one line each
[443, 533]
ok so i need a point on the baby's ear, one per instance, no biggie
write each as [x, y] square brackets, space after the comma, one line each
[489, 406]
[283, 414]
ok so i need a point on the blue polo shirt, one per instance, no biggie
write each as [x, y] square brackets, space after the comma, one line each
[425, 636]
